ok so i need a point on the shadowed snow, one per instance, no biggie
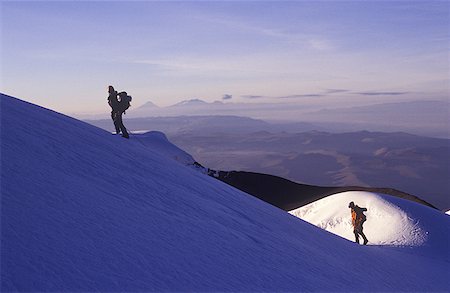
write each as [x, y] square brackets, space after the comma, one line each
[84, 210]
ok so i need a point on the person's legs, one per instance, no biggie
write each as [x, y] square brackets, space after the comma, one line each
[121, 126]
[114, 118]
[363, 236]
[355, 231]
[124, 131]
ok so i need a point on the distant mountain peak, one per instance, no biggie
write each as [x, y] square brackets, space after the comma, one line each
[148, 104]
[191, 102]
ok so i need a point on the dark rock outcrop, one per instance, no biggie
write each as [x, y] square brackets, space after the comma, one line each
[289, 195]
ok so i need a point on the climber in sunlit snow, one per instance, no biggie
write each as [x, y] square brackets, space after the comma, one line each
[358, 219]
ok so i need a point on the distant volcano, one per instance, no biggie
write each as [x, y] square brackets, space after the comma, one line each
[189, 103]
[148, 105]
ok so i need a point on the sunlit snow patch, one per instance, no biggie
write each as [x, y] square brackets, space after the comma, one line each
[387, 223]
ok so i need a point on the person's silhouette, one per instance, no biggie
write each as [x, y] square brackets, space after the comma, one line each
[114, 103]
[358, 218]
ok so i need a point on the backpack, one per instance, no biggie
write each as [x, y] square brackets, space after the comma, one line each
[125, 100]
[363, 218]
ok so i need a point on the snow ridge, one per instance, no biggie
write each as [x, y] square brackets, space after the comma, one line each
[332, 214]
[158, 143]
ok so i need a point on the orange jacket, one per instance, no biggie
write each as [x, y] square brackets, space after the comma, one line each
[357, 215]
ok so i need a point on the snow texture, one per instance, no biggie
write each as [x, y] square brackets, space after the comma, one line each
[84, 210]
[157, 142]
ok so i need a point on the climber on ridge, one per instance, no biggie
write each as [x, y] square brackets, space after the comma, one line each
[118, 106]
[358, 218]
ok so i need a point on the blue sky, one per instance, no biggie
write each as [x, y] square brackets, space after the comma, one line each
[63, 55]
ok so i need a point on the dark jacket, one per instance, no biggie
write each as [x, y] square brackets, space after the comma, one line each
[113, 102]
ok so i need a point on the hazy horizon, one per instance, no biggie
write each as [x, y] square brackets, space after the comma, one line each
[63, 55]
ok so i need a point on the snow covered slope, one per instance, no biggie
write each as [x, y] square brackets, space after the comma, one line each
[83, 210]
[390, 221]
[157, 142]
